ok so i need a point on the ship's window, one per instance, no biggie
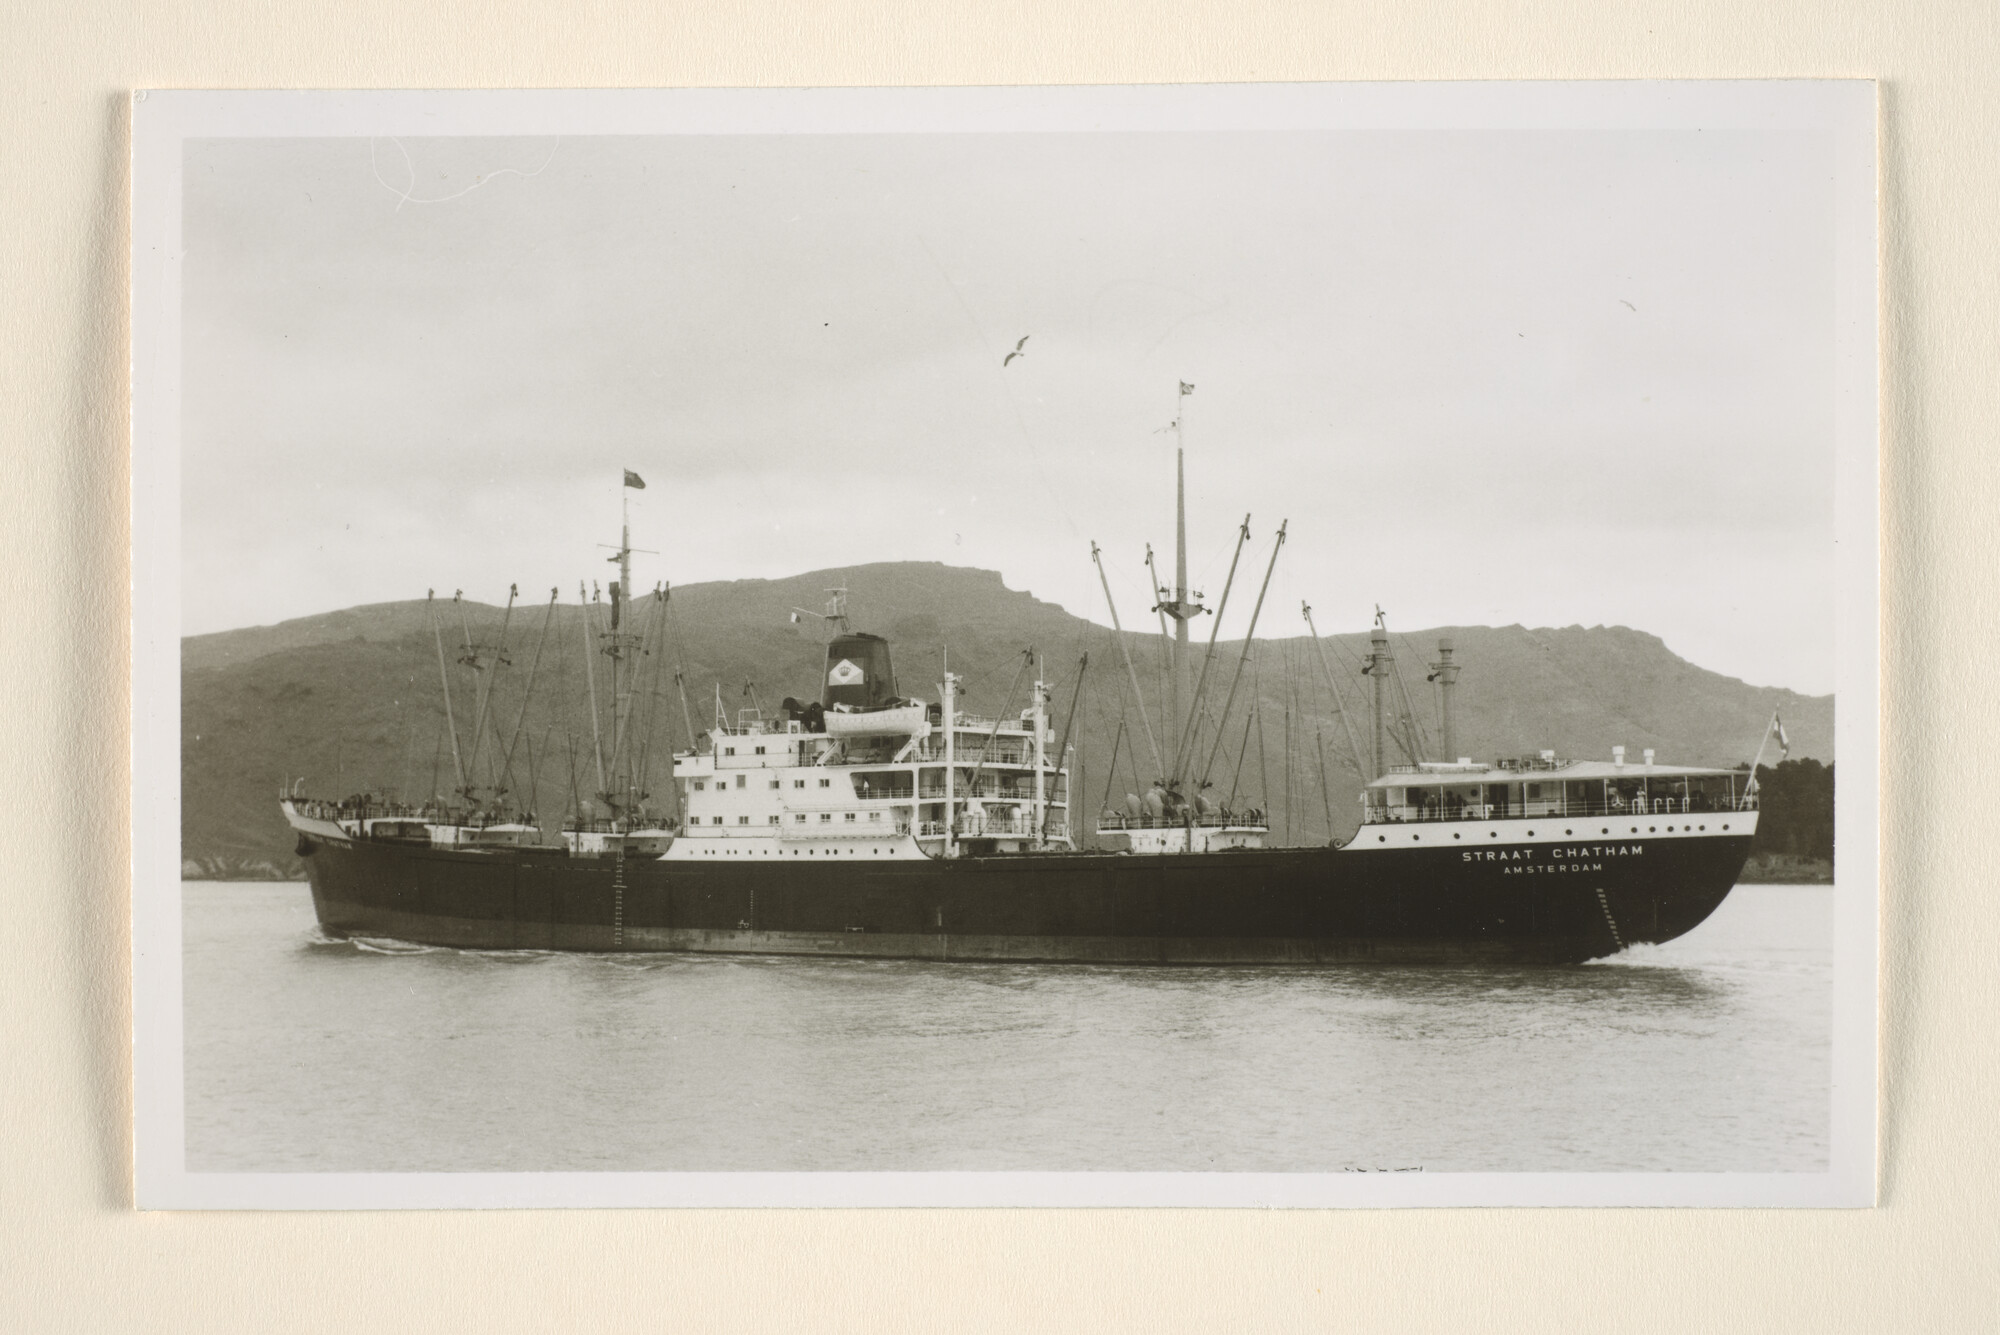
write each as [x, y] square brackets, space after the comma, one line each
[800, 818]
[1534, 790]
[774, 820]
[728, 750]
[742, 820]
[700, 787]
[826, 783]
[798, 783]
[760, 750]
[850, 817]
[774, 783]
[825, 817]
[874, 815]
[718, 820]
[740, 780]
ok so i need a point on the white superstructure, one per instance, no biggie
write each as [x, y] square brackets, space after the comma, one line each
[894, 782]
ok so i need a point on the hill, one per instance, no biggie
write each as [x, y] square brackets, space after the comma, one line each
[350, 701]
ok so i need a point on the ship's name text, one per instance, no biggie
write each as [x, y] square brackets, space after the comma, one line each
[1558, 859]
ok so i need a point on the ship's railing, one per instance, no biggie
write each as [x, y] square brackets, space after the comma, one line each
[985, 724]
[931, 751]
[1485, 811]
[973, 828]
[365, 808]
[1505, 765]
[631, 824]
[1016, 790]
[749, 723]
[896, 787]
[1213, 821]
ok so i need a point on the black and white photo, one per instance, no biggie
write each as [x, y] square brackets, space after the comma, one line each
[1237, 646]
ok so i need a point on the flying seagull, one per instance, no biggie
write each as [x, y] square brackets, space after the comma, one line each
[1628, 305]
[1017, 350]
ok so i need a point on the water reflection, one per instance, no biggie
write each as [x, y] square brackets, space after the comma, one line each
[1628, 985]
[310, 1052]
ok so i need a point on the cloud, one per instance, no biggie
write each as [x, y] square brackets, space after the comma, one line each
[1566, 374]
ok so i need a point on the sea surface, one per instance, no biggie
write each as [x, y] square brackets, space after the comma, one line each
[1710, 1053]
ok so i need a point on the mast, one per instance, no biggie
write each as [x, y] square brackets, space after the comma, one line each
[1333, 685]
[1184, 727]
[1445, 673]
[1168, 723]
[437, 636]
[618, 779]
[616, 646]
[950, 711]
[507, 762]
[476, 658]
[1041, 721]
[1125, 649]
[1181, 609]
[1379, 667]
[1063, 756]
[1249, 638]
[1182, 755]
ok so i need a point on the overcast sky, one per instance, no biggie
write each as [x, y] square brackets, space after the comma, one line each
[1543, 377]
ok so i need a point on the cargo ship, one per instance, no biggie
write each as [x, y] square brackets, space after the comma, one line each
[860, 822]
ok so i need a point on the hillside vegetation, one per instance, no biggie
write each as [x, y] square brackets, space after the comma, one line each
[350, 701]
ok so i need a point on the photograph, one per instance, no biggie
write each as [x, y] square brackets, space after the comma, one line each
[1231, 645]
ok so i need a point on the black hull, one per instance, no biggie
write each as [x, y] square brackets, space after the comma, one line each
[1547, 903]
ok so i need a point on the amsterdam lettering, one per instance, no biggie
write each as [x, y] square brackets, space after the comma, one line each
[1558, 859]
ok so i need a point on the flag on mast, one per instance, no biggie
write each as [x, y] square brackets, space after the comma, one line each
[1186, 389]
[632, 479]
[1784, 742]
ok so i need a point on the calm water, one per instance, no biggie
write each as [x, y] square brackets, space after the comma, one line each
[1709, 1053]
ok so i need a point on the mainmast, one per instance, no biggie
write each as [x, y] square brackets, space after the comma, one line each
[1181, 609]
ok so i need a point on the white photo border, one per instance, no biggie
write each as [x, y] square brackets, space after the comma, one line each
[163, 120]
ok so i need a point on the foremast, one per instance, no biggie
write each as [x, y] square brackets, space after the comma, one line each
[627, 642]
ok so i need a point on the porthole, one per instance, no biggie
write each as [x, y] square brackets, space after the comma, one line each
[1605, 830]
[1458, 836]
[1635, 829]
[1569, 831]
[1704, 827]
[1649, 830]
[1415, 837]
[1725, 827]
[1381, 838]
[1531, 834]
[1493, 834]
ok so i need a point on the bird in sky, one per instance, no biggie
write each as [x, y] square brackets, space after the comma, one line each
[1628, 305]
[1017, 350]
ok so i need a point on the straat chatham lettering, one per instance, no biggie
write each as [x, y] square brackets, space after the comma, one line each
[1553, 855]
